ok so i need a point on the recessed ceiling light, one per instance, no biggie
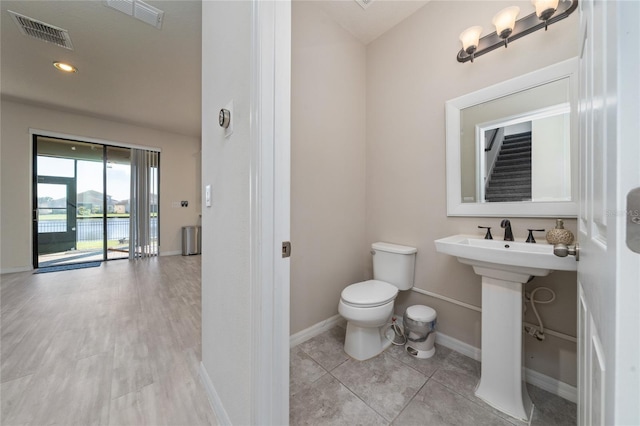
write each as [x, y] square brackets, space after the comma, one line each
[62, 66]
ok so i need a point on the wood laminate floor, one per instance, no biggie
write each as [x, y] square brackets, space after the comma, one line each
[114, 345]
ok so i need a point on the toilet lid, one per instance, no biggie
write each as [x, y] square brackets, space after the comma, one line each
[369, 293]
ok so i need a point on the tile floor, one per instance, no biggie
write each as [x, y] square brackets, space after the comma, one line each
[330, 388]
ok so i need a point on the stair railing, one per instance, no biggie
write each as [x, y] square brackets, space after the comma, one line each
[492, 155]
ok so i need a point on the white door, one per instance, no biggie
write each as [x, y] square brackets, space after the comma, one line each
[608, 270]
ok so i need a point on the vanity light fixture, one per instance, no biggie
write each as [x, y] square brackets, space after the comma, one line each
[508, 29]
[63, 66]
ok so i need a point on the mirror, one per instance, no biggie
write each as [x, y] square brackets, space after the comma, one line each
[511, 147]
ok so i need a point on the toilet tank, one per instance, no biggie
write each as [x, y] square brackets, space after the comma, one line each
[394, 264]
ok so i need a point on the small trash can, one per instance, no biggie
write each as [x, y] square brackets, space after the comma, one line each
[191, 240]
[419, 323]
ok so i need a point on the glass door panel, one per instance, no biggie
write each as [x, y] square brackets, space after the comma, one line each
[91, 209]
[55, 214]
[118, 201]
[68, 190]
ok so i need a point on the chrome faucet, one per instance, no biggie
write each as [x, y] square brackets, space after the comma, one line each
[508, 234]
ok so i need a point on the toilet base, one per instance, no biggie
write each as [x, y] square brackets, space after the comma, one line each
[363, 343]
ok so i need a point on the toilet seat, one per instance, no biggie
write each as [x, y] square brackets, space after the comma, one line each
[369, 294]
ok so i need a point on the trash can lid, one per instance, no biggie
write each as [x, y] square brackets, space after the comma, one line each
[421, 313]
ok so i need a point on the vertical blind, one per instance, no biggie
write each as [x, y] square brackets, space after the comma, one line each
[144, 238]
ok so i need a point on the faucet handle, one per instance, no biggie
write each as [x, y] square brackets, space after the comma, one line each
[488, 235]
[530, 238]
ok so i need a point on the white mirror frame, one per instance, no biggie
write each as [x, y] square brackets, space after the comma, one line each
[455, 206]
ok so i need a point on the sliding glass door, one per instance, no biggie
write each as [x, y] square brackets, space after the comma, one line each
[82, 201]
[68, 202]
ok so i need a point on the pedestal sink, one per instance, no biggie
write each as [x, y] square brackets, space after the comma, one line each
[505, 266]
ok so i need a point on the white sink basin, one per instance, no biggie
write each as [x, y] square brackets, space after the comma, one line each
[505, 267]
[508, 256]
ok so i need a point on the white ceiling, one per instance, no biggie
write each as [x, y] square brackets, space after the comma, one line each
[129, 71]
[370, 23]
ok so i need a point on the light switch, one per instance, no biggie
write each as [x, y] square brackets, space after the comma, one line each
[207, 195]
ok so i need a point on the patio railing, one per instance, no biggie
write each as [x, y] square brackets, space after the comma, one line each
[91, 229]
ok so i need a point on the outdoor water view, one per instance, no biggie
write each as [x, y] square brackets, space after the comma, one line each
[75, 221]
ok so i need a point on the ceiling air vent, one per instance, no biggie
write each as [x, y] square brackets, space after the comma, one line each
[364, 3]
[42, 31]
[139, 10]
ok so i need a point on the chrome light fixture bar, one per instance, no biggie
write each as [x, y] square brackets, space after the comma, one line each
[521, 28]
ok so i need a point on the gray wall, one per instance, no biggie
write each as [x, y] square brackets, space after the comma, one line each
[328, 102]
[411, 72]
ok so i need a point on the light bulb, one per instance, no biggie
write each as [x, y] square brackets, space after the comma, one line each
[65, 67]
[505, 20]
[470, 39]
[545, 8]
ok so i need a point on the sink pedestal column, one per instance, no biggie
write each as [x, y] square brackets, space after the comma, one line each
[501, 384]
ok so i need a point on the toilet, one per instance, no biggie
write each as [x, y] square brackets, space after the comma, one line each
[368, 306]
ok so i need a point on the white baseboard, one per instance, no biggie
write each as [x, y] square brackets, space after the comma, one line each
[214, 398]
[544, 382]
[459, 346]
[552, 385]
[314, 330]
[170, 253]
[14, 270]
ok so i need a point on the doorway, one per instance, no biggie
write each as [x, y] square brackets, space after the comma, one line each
[56, 203]
[82, 202]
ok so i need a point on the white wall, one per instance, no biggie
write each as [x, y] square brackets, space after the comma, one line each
[327, 164]
[550, 158]
[179, 173]
[226, 297]
[518, 128]
[411, 72]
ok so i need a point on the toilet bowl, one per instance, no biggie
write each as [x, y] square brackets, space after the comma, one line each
[368, 306]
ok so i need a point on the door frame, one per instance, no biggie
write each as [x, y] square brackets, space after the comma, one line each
[71, 208]
[270, 210]
[70, 182]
